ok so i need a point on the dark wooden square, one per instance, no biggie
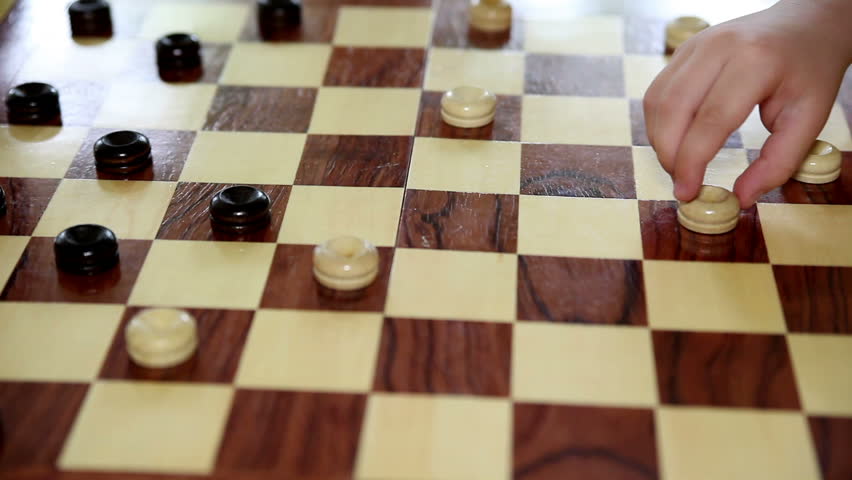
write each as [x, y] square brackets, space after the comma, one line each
[724, 370]
[505, 127]
[446, 356]
[169, 150]
[355, 160]
[663, 237]
[581, 290]
[376, 67]
[644, 36]
[291, 435]
[188, 214]
[221, 336]
[838, 192]
[459, 221]
[575, 75]
[581, 443]
[452, 30]
[261, 109]
[26, 201]
[291, 284]
[37, 279]
[815, 299]
[577, 171]
[832, 438]
[318, 22]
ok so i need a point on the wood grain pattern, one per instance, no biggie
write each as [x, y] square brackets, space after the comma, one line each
[505, 127]
[832, 438]
[188, 214]
[459, 221]
[26, 201]
[291, 284]
[581, 290]
[35, 419]
[582, 443]
[574, 75]
[376, 67]
[169, 150]
[663, 238]
[319, 19]
[36, 278]
[724, 370]
[355, 161]
[815, 299]
[261, 109]
[577, 171]
[221, 337]
[838, 192]
[447, 356]
[451, 30]
[292, 435]
[644, 36]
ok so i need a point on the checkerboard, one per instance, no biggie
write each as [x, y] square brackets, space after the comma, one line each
[539, 313]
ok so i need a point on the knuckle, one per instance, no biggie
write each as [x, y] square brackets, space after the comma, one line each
[715, 116]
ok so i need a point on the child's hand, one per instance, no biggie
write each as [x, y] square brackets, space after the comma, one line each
[789, 59]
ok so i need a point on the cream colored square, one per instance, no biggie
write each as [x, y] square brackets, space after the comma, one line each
[244, 157]
[316, 214]
[435, 437]
[835, 131]
[807, 234]
[586, 35]
[465, 166]
[589, 364]
[640, 71]
[11, 249]
[365, 111]
[576, 120]
[501, 72]
[725, 297]
[60, 61]
[713, 444]
[203, 274]
[130, 209]
[383, 27]
[821, 363]
[276, 65]
[340, 347]
[147, 426]
[55, 342]
[653, 183]
[452, 285]
[38, 152]
[579, 227]
[213, 22]
[156, 106]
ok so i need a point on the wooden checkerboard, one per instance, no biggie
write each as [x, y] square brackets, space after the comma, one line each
[539, 313]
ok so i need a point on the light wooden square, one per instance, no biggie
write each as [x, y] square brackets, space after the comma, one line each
[501, 72]
[38, 152]
[579, 227]
[724, 297]
[213, 22]
[203, 274]
[587, 364]
[244, 157]
[147, 426]
[465, 166]
[710, 444]
[453, 285]
[640, 71]
[586, 35]
[821, 363]
[835, 131]
[408, 437]
[383, 27]
[576, 120]
[807, 234]
[316, 214]
[365, 111]
[276, 65]
[11, 248]
[654, 183]
[340, 347]
[156, 106]
[130, 209]
[59, 62]
[55, 342]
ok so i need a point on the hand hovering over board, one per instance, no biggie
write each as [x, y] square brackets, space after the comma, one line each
[789, 59]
